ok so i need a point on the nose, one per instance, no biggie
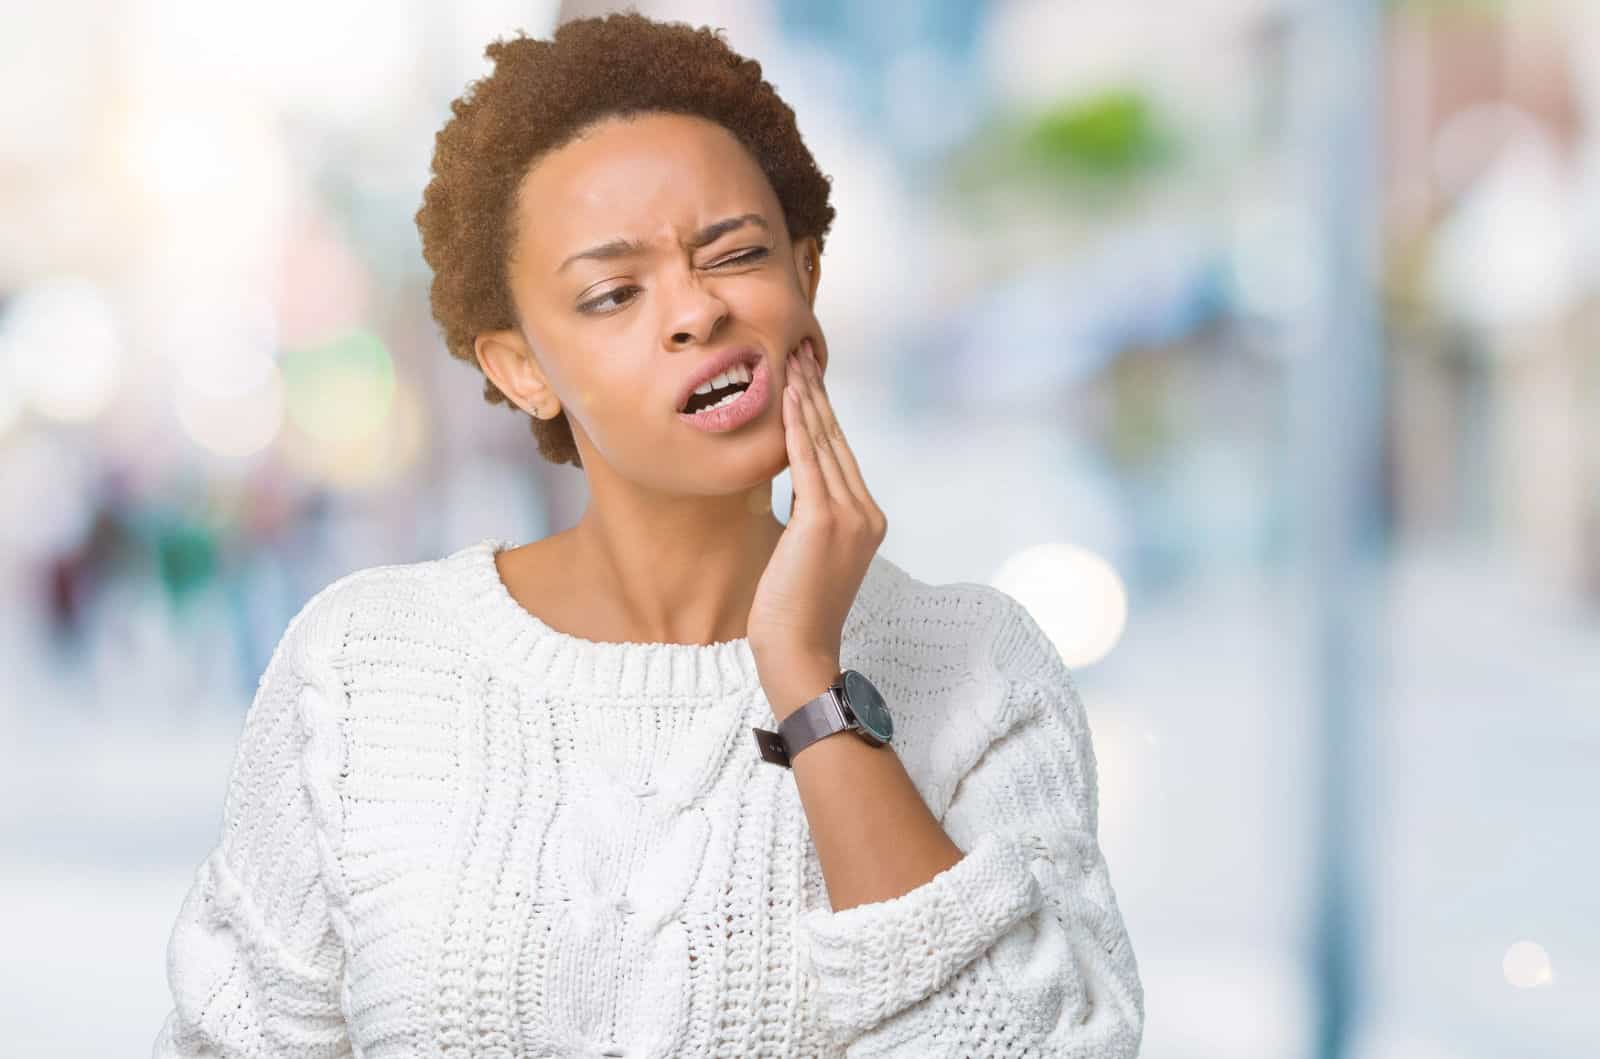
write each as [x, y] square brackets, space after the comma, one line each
[693, 311]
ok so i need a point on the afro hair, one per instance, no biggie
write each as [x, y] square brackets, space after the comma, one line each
[541, 95]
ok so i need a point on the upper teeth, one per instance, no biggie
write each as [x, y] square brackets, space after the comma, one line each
[737, 373]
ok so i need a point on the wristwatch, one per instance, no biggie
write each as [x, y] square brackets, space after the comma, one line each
[850, 702]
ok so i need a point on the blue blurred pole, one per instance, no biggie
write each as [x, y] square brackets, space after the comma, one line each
[1336, 390]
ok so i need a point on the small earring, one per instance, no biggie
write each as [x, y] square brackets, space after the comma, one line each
[808, 265]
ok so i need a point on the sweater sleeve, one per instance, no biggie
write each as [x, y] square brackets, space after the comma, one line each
[1018, 949]
[254, 963]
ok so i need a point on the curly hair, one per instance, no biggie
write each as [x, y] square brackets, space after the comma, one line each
[541, 95]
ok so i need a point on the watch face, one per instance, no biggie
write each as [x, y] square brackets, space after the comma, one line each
[868, 706]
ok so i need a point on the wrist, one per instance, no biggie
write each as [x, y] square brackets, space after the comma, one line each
[799, 684]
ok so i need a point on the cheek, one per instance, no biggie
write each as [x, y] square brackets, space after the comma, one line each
[594, 375]
[631, 392]
[616, 396]
[787, 316]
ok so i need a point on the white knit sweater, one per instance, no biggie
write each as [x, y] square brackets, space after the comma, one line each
[452, 830]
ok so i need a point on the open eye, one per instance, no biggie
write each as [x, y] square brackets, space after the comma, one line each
[595, 303]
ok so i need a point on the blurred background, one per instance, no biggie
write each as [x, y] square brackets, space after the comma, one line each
[1251, 343]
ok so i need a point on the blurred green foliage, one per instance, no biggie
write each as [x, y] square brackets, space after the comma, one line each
[1112, 134]
[1091, 145]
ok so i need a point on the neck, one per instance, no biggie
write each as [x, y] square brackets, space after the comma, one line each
[682, 573]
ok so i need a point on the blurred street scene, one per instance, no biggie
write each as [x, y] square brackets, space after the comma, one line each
[1253, 344]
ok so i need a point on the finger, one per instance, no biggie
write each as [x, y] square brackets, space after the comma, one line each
[805, 476]
[840, 447]
[838, 491]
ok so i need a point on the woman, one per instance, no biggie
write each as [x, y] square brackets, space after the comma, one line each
[508, 802]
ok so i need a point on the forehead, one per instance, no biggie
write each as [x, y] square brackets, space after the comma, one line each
[638, 177]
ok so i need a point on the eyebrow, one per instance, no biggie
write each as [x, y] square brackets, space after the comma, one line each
[705, 236]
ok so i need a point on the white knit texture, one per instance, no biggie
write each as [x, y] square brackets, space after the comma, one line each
[451, 830]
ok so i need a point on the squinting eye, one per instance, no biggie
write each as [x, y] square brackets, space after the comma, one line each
[753, 255]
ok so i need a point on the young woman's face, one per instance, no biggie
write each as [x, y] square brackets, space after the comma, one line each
[616, 336]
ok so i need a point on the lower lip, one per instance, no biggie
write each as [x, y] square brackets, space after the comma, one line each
[748, 406]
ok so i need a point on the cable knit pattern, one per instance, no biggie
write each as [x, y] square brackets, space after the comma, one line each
[452, 830]
[1019, 948]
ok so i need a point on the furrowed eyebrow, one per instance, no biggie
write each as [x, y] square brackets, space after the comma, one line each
[626, 247]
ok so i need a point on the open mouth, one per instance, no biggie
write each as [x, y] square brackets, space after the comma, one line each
[725, 395]
[740, 395]
[723, 390]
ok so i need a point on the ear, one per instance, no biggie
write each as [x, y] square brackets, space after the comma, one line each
[808, 266]
[506, 359]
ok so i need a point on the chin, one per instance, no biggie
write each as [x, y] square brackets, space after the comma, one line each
[755, 459]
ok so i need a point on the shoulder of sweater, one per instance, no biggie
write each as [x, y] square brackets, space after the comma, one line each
[970, 610]
[968, 633]
[1005, 641]
[372, 599]
[960, 662]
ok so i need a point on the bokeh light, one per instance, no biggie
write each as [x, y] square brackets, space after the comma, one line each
[1527, 965]
[364, 455]
[1076, 597]
[63, 349]
[340, 392]
[232, 424]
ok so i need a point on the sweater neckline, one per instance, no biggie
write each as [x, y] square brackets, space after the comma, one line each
[610, 668]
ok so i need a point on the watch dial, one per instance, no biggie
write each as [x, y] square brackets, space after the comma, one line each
[868, 705]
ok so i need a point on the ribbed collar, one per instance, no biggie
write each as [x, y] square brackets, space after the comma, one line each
[512, 635]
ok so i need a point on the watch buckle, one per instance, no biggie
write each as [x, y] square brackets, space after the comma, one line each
[771, 746]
